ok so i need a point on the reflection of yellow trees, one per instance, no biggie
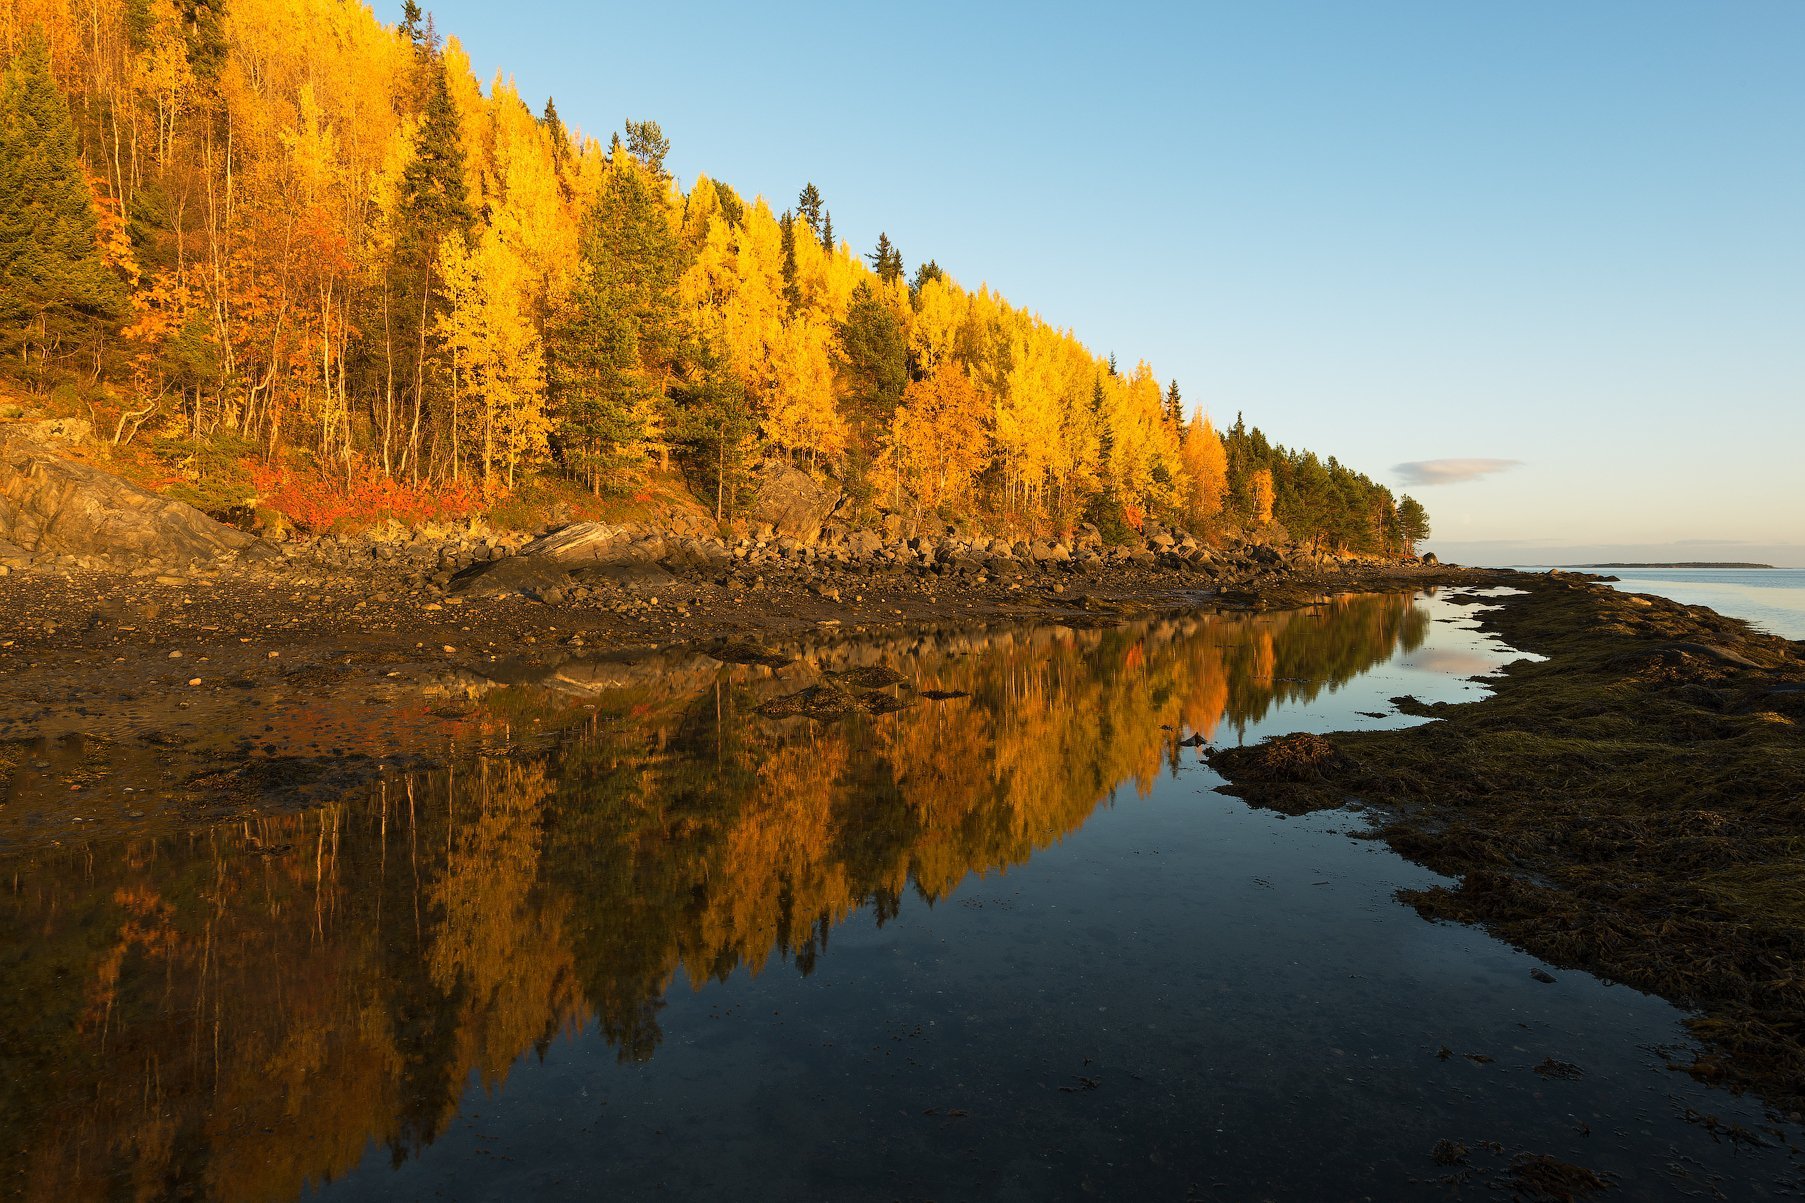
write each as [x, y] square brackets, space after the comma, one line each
[251, 1006]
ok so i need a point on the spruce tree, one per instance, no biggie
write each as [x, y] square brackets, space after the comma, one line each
[615, 348]
[792, 296]
[925, 272]
[435, 201]
[1175, 407]
[808, 207]
[433, 181]
[54, 285]
[560, 137]
[886, 260]
[827, 232]
[877, 362]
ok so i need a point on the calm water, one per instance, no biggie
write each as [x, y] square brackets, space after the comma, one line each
[1009, 945]
[1771, 598]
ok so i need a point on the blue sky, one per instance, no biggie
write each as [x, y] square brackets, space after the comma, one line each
[1570, 236]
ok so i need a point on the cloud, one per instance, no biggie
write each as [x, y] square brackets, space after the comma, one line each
[1451, 471]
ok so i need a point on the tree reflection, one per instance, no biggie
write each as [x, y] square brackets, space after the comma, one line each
[241, 1011]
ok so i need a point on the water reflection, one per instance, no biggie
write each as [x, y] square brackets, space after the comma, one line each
[240, 1011]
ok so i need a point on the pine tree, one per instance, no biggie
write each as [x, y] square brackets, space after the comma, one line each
[923, 273]
[1175, 406]
[437, 198]
[1413, 522]
[411, 18]
[792, 295]
[560, 140]
[886, 260]
[434, 203]
[717, 432]
[647, 143]
[827, 232]
[808, 207]
[54, 286]
[877, 363]
[615, 347]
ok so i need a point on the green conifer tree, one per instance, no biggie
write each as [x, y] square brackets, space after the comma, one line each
[886, 260]
[560, 139]
[647, 143]
[877, 363]
[792, 296]
[55, 289]
[614, 350]
[925, 272]
[808, 207]
[1413, 522]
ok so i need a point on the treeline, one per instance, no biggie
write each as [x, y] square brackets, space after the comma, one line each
[284, 227]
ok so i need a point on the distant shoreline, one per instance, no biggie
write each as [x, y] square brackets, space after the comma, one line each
[1675, 564]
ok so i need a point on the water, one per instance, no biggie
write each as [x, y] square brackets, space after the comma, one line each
[1010, 945]
[1773, 599]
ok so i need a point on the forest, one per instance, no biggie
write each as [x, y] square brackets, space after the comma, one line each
[299, 266]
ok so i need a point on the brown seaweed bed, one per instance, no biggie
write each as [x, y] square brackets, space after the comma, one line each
[1633, 806]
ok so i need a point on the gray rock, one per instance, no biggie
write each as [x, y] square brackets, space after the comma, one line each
[53, 505]
[579, 542]
[791, 502]
[864, 543]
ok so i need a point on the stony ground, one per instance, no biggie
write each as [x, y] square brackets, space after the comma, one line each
[130, 700]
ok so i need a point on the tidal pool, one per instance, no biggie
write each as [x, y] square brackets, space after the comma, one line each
[650, 939]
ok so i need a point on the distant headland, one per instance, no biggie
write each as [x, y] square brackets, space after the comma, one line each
[1674, 564]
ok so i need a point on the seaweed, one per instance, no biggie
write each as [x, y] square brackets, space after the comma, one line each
[1633, 806]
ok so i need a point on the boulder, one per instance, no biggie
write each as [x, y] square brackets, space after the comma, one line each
[793, 503]
[1430, 558]
[53, 505]
[587, 553]
[580, 542]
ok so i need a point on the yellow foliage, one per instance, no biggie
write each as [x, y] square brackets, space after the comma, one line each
[1260, 483]
[494, 350]
[1206, 469]
[940, 440]
[800, 413]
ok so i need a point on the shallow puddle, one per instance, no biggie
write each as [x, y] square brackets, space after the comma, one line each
[667, 938]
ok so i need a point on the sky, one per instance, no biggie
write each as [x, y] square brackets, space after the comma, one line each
[1540, 264]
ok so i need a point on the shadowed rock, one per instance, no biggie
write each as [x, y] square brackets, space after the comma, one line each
[793, 502]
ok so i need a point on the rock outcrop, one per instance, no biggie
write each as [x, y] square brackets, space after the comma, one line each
[52, 505]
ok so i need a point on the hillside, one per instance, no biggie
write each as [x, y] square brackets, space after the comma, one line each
[300, 267]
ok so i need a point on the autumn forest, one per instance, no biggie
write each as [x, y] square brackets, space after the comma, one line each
[299, 265]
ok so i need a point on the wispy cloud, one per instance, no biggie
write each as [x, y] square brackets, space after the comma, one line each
[1424, 472]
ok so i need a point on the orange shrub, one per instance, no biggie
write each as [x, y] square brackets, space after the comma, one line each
[362, 498]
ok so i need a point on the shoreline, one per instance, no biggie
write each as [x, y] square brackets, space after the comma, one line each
[1628, 806]
[245, 688]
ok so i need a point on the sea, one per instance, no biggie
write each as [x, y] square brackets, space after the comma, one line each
[990, 932]
[1773, 599]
